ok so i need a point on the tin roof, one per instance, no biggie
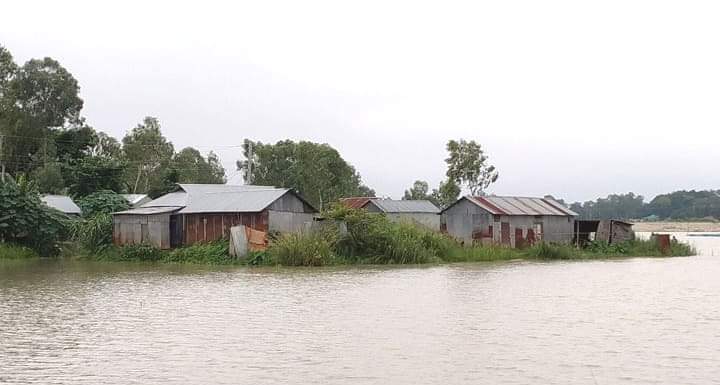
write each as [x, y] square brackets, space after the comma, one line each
[208, 198]
[134, 199]
[406, 206]
[356, 202]
[62, 203]
[514, 206]
[149, 210]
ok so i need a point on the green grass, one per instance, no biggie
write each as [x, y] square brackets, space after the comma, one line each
[10, 251]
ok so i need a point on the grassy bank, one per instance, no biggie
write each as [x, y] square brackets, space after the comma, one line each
[366, 239]
[10, 251]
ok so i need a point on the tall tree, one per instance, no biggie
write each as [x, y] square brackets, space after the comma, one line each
[146, 151]
[446, 194]
[37, 98]
[468, 165]
[316, 170]
[418, 191]
[192, 167]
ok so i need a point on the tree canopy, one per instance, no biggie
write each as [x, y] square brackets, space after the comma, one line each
[468, 165]
[315, 170]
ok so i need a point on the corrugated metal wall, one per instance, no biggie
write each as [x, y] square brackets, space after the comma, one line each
[211, 227]
[137, 229]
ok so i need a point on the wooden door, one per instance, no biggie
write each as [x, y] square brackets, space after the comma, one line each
[505, 233]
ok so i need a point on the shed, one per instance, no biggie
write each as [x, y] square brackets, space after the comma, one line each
[62, 203]
[421, 212]
[205, 212]
[604, 230]
[136, 200]
[508, 220]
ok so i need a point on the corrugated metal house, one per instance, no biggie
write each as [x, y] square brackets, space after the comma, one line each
[604, 230]
[422, 212]
[136, 200]
[62, 203]
[510, 221]
[205, 212]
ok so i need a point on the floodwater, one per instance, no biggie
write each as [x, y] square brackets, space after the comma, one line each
[625, 321]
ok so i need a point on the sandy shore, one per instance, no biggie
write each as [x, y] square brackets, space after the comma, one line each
[676, 226]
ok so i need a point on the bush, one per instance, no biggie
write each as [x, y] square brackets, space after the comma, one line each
[213, 253]
[142, 252]
[94, 234]
[545, 250]
[303, 249]
[8, 251]
[102, 202]
[26, 221]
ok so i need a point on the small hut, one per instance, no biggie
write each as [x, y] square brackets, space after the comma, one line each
[509, 221]
[609, 231]
[205, 212]
[422, 212]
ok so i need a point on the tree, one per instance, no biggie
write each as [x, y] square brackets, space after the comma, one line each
[94, 173]
[35, 99]
[49, 179]
[316, 170]
[146, 151]
[419, 191]
[102, 202]
[192, 167]
[468, 165]
[446, 194]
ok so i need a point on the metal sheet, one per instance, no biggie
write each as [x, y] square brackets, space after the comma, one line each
[62, 203]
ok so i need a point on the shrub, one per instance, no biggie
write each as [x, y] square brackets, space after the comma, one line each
[102, 202]
[544, 250]
[142, 252]
[94, 234]
[303, 249]
[213, 253]
[26, 221]
[8, 251]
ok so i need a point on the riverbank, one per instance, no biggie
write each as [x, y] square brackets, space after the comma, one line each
[668, 227]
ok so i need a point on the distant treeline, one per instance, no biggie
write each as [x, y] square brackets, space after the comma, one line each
[678, 205]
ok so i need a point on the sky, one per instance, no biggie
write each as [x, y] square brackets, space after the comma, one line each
[576, 99]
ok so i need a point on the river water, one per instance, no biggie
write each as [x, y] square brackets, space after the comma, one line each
[625, 321]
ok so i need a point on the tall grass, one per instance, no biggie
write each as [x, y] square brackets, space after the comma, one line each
[302, 249]
[10, 251]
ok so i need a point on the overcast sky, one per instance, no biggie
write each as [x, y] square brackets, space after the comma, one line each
[576, 99]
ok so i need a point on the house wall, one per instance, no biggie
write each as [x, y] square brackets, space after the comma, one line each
[621, 232]
[137, 229]
[468, 222]
[208, 227]
[290, 203]
[288, 222]
[429, 220]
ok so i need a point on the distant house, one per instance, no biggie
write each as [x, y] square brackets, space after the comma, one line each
[510, 221]
[62, 203]
[136, 200]
[205, 212]
[604, 230]
[418, 211]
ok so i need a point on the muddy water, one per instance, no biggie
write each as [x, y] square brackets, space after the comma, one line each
[632, 321]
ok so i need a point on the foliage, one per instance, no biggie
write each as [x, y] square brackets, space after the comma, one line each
[419, 191]
[468, 165]
[95, 233]
[303, 249]
[148, 152]
[94, 173]
[10, 251]
[678, 205]
[544, 250]
[102, 202]
[141, 252]
[192, 167]
[212, 253]
[316, 170]
[49, 179]
[25, 220]
[446, 194]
